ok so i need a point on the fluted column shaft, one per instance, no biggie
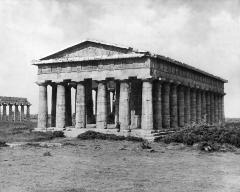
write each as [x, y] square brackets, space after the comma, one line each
[199, 106]
[181, 106]
[28, 113]
[193, 106]
[117, 96]
[187, 106]
[208, 108]
[102, 105]
[22, 113]
[80, 106]
[204, 107]
[54, 105]
[124, 108]
[10, 117]
[166, 105]
[216, 108]
[61, 107]
[89, 100]
[173, 107]
[4, 115]
[68, 104]
[16, 114]
[42, 107]
[212, 109]
[157, 105]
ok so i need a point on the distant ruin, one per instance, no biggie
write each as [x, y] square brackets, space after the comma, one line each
[7, 113]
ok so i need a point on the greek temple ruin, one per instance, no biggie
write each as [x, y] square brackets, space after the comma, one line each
[139, 91]
[14, 109]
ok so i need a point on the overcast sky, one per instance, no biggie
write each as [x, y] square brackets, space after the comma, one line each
[204, 34]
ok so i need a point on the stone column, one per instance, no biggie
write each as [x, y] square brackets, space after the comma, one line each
[222, 108]
[216, 108]
[28, 113]
[181, 102]
[61, 107]
[166, 105]
[173, 106]
[124, 108]
[157, 105]
[108, 105]
[212, 109]
[102, 105]
[204, 107]
[187, 108]
[80, 106]
[147, 105]
[208, 108]
[16, 113]
[42, 107]
[193, 106]
[96, 93]
[68, 103]
[54, 105]
[10, 117]
[22, 113]
[0, 112]
[199, 106]
[117, 96]
[89, 101]
[4, 115]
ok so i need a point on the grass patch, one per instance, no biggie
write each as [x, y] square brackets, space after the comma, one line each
[88, 135]
[206, 135]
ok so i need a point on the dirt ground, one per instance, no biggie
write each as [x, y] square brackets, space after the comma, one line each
[96, 165]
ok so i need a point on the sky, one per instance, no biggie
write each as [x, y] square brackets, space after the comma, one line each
[204, 34]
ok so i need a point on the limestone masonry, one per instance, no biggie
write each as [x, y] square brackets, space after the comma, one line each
[116, 85]
[14, 115]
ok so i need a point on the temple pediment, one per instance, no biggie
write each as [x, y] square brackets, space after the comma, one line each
[90, 49]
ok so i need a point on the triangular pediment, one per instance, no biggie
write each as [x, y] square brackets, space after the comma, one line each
[90, 49]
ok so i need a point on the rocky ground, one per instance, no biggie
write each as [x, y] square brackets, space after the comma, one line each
[73, 165]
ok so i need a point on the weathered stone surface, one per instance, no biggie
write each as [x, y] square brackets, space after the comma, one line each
[28, 113]
[193, 106]
[212, 108]
[166, 105]
[157, 104]
[216, 98]
[68, 104]
[10, 117]
[42, 107]
[173, 106]
[208, 108]
[204, 106]
[147, 106]
[22, 113]
[4, 114]
[187, 108]
[181, 102]
[102, 105]
[80, 106]
[89, 100]
[16, 115]
[54, 105]
[199, 106]
[124, 105]
[61, 107]
[117, 96]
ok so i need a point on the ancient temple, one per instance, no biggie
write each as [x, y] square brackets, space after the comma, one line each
[14, 109]
[116, 84]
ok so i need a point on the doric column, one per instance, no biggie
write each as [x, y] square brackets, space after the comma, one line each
[222, 108]
[181, 102]
[124, 108]
[157, 105]
[16, 113]
[0, 112]
[193, 106]
[216, 98]
[80, 106]
[28, 113]
[96, 93]
[10, 117]
[4, 115]
[42, 107]
[117, 96]
[208, 107]
[68, 103]
[54, 105]
[147, 105]
[204, 106]
[166, 105]
[187, 108]
[212, 109]
[89, 100]
[108, 105]
[22, 113]
[61, 106]
[199, 106]
[102, 105]
[173, 106]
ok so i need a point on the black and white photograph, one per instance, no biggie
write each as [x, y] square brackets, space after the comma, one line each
[120, 96]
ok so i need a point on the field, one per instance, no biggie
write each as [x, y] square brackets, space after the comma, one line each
[99, 165]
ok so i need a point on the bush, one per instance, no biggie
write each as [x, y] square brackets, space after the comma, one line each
[229, 134]
[3, 144]
[88, 135]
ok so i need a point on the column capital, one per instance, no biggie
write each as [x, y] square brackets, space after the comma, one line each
[41, 83]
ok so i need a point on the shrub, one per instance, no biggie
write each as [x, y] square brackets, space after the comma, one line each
[3, 144]
[88, 135]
